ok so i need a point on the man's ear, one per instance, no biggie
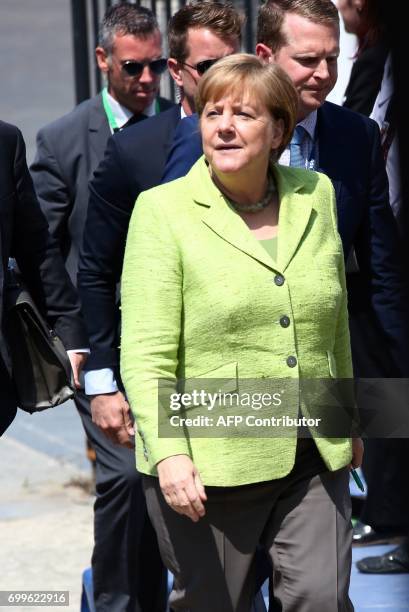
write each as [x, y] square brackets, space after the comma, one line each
[264, 52]
[102, 59]
[175, 69]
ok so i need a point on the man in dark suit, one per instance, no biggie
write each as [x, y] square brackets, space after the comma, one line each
[385, 511]
[128, 574]
[304, 40]
[24, 236]
[396, 560]
[198, 35]
[70, 149]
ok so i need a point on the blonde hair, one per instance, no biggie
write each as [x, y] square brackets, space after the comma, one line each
[242, 73]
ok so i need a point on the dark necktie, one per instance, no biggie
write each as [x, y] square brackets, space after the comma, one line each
[133, 119]
[297, 158]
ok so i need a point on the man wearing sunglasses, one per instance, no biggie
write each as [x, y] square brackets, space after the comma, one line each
[133, 66]
[127, 571]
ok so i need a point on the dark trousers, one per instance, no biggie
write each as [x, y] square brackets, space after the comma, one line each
[387, 502]
[386, 507]
[302, 521]
[128, 574]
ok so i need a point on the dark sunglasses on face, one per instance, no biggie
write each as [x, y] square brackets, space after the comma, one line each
[135, 69]
[202, 66]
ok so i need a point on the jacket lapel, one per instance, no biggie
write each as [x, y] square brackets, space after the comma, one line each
[174, 118]
[231, 227]
[329, 158]
[99, 131]
[295, 212]
[219, 217]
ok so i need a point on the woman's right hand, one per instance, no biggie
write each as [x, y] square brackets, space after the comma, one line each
[181, 486]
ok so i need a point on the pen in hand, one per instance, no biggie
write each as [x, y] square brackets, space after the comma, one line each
[358, 481]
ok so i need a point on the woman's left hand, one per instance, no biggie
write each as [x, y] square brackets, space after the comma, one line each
[357, 452]
[181, 486]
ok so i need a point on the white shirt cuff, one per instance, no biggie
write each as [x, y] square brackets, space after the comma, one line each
[100, 381]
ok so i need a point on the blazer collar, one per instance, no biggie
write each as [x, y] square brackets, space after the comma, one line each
[331, 140]
[98, 126]
[295, 211]
[173, 116]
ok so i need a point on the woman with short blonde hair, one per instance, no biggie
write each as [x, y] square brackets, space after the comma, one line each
[234, 281]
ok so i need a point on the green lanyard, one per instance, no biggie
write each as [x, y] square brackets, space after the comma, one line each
[108, 111]
[110, 115]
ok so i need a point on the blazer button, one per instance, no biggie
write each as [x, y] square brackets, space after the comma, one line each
[279, 280]
[291, 361]
[285, 321]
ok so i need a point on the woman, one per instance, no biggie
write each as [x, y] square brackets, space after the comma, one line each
[232, 273]
[364, 19]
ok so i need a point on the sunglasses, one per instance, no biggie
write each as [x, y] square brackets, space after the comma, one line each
[202, 66]
[135, 69]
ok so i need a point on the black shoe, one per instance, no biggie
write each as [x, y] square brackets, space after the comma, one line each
[395, 561]
[364, 535]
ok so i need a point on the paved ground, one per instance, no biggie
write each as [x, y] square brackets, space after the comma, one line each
[45, 511]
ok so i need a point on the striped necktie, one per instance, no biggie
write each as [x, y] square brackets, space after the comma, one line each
[297, 158]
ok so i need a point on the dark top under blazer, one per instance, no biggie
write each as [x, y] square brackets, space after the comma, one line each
[350, 154]
[366, 78]
[134, 161]
[24, 235]
[68, 151]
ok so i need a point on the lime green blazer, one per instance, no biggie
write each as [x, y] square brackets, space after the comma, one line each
[201, 298]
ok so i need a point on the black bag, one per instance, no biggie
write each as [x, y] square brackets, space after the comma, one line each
[40, 366]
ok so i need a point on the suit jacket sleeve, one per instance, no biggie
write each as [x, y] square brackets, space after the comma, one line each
[109, 210]
[52, 189]
[40, 260]
[186, 149]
